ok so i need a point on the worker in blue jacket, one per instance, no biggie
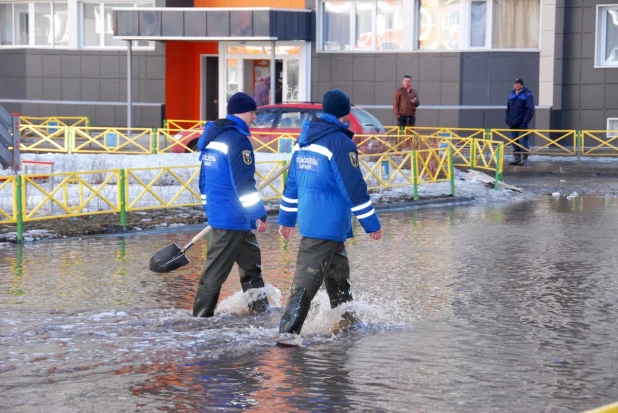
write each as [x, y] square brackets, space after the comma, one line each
[324, 188]
[519, 113]
[232, 204]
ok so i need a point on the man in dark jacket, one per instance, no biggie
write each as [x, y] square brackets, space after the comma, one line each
[519, 113]
[325, 186]
[262, 90]
[233, 206]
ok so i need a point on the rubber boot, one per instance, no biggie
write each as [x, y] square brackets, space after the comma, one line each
[524, 160]
[516, 159]
[295, 312]
[260, 305]
[205, 303]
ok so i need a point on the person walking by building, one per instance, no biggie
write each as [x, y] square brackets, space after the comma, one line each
[262, 90]
[324, 188]
[405, 103]
[519, 113]
[233, 206]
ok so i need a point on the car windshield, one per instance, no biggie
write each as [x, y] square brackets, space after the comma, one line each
[366, 119]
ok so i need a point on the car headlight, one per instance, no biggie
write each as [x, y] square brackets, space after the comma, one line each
[178, 136]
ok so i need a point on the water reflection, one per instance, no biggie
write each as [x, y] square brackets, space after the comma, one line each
[499, 307]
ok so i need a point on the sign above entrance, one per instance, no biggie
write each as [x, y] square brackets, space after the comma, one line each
[249, 24]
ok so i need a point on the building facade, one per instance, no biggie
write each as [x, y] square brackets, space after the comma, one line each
[69, 58]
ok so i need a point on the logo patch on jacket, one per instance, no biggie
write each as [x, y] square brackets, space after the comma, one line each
[354, 159]
[307, 163]
[246, 157]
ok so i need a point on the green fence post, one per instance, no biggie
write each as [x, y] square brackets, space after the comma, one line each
[19, 207]
[123, 203]
[154, 141]
[285, 173]
[415, 174]
[579, 143]
[165, 124]
[498, 163]
[487, 134]
[451, 169]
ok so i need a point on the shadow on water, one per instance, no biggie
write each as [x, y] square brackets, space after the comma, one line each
[507, 307]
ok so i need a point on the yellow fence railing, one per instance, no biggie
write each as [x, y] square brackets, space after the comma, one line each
[68, 135]
[472, 133]
[177, 140]
[543, 142]
[34, 197]
[53, 122]
[8, 199]
[184, 124]
[70, 195]
[39, 138]
[165, 187]
[112, 140]
[599, 143]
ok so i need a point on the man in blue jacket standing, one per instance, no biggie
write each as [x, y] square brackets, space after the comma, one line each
[324, 188]
[519, 113]
[233, 206]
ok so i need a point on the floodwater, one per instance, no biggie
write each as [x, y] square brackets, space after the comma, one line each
[506, 307]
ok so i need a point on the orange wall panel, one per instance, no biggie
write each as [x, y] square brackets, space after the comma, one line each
[283, 4]
[182, 73]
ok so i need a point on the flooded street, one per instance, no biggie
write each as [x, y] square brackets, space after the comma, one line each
[503, 307]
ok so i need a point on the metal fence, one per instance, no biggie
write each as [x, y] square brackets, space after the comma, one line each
[34, 197]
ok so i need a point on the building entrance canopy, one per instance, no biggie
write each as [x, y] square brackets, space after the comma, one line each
[209, 24]
[212, 24]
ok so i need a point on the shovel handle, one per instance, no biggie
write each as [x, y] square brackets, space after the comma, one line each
[261, 186]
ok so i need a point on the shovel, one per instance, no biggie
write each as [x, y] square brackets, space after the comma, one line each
[173, 257]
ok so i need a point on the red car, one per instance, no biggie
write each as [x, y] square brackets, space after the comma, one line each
[273, 121]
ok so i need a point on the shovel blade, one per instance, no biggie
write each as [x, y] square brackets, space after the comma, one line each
[168, 259]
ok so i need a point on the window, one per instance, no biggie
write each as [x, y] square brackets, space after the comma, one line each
[376, 25]
[336, 25]
[362, 25]
[607, 36]
[97, 25]
[455, 24]
[6, 24]
[389, 25]
[293, 119]
[440, 25]
[478, 23]
[22, 22]
[265, 118]
[33, 24]
[367, 120]
[517, 24]
[612, 127]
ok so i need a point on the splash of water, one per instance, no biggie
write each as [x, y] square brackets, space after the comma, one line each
[238, 303]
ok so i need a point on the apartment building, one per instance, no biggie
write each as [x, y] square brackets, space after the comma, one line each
[70, 57]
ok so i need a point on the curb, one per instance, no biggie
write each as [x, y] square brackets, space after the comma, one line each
[554, 168]
[396, 206]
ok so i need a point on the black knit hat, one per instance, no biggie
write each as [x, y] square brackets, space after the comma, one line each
[520, 81]
[336, 103]
[240, 103]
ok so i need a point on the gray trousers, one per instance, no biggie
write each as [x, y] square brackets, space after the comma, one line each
[225, 248]
[323, 261]
[318, 261]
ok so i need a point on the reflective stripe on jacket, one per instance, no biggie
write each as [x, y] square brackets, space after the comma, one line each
[227, 176]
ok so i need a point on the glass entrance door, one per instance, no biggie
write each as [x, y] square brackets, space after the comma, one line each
[245, 67]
